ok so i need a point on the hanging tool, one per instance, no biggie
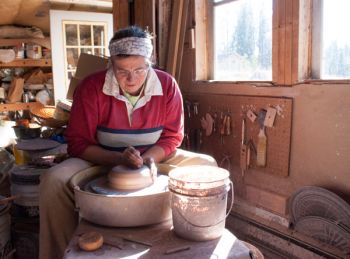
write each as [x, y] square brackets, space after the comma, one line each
[215, 117]
[195, 108]
[262, 140]
[250, 147]
[222, 127]
[207, 124]
[228, 125]
[270, 117]
[243, 156]
[251, 115]
[188, 108]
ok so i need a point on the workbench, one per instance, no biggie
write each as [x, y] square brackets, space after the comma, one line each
[156, 241]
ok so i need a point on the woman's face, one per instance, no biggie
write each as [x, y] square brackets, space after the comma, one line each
[130, 72]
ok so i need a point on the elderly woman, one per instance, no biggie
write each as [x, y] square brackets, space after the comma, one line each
[129, 114]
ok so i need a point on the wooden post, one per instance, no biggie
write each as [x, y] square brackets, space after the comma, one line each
[145, 17]
[163, 18]
[121, 14]
[177, 36]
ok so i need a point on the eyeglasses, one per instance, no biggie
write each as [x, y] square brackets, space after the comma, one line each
[137, 72]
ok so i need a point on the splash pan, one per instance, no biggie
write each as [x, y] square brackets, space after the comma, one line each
[109, 207]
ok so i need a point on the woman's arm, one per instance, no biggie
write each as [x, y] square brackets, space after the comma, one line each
[98, 155]
[155, 152]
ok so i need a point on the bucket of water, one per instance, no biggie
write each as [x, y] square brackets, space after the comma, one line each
[199, 201]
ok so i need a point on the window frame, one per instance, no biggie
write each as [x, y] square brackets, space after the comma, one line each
[293, 51]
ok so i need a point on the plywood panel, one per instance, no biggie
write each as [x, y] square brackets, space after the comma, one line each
[226, 149]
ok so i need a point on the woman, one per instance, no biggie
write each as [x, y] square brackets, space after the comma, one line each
[129, 114]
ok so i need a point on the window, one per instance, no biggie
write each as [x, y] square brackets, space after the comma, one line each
[82, 37]
[331, 41]
[73, 33]
[242, 40]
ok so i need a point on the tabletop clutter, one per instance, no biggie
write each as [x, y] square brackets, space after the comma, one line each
[35, 144]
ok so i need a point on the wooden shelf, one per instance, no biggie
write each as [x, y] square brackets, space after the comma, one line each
[27, 63]
[18, 106]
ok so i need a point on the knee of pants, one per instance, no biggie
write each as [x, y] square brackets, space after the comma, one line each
[52, 181]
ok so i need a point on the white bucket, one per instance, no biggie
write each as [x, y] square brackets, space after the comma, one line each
[199, 201]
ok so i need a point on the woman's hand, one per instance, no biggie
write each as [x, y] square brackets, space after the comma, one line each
[132, 157]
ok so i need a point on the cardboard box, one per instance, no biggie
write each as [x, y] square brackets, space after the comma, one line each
[16, 90]
[87, 64]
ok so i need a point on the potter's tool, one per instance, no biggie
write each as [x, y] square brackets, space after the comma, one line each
[177, 249]
[262, 140]
[243, 160]
[133, 240]
[207, 124]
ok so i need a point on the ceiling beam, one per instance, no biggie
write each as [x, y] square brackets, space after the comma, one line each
[84, 2]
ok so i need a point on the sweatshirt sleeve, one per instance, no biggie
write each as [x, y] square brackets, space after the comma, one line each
[173, 131]
[83, 121]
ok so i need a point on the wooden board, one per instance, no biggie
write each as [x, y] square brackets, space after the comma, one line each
[28, 63]
[18, 106]
[228, 153]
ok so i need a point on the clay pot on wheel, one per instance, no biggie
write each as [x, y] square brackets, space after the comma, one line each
[125, 178]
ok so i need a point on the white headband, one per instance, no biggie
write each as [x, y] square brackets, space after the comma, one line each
[132, 46]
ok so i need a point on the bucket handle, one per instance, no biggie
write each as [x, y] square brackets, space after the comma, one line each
[227, 213]
[232, 198]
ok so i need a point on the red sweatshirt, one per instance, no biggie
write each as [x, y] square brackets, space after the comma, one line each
[98, 118]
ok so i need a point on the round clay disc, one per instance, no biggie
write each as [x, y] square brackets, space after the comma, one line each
[125, 178]
[90, 241]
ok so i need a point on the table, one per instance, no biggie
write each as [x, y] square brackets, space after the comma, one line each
[162, 239]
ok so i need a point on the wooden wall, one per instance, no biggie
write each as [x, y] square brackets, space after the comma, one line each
[320, 122]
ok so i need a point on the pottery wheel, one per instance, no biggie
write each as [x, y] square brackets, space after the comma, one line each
[100, 185]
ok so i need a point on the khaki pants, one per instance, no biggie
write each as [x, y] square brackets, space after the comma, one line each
[58, 219]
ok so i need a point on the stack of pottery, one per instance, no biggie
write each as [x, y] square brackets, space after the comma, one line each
[25, 181]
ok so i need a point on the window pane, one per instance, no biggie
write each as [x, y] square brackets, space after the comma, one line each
[99, 51]
[71, 34]
[99, 35]
[86, 50]
[85, 35]
[243, 40]
[71, 74]
[72, 58]
[336, 40]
